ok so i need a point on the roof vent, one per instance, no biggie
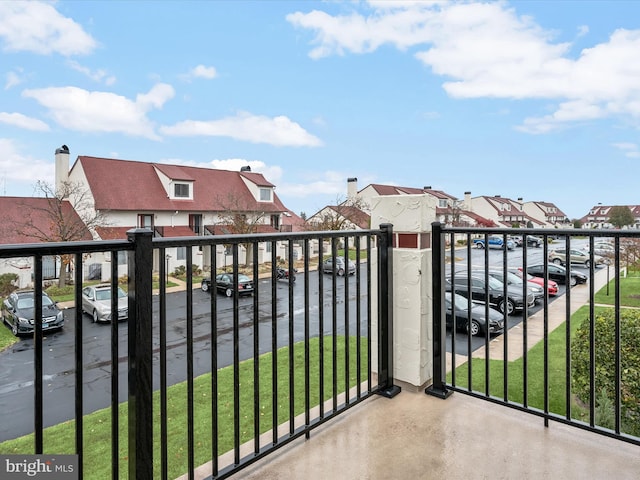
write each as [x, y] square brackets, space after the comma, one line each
[62, 149]
[352, 179]
[427, 187]
[246, 168]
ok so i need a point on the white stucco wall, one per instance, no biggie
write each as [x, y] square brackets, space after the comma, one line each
[412, 309]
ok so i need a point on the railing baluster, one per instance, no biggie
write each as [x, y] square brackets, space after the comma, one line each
[164, 431]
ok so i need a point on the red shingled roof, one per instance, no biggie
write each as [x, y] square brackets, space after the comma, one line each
[180, 231]
[113, 233]
[18, 210]
[126, 185]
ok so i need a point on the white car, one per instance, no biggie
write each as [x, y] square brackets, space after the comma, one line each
[96, 301]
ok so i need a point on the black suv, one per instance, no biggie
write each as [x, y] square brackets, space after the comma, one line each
[18, 311]
[493, 292]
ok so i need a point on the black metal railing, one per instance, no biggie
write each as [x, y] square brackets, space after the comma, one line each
[571, 357]
[257, 372]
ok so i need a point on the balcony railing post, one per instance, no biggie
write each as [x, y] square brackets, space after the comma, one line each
[438, 387]
[140, 404]
[385, 313]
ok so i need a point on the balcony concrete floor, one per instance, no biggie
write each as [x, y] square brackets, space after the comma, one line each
[417, 436]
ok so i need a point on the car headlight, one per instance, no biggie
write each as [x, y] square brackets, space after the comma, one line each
[24, 321]
[60, 315]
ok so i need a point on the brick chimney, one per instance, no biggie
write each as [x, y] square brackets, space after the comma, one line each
[62, 166]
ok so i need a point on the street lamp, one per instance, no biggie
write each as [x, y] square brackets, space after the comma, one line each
[167, 269]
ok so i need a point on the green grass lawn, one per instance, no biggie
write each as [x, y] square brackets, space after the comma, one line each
[6, 337]
[535, 369]
[534, 372]
[629, 292]
[60, 439]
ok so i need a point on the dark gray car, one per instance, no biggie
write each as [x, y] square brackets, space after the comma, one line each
[18, 311]
[491, 292]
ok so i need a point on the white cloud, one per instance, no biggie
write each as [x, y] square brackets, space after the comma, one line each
[99, 75]
[13, 79]
[278, 131]
[330, 183]
[272, 173]
[18, 167]
[487, 50]
[22, 121]
[39, 28]
[631, 150]
[202, 71]
[86, 111]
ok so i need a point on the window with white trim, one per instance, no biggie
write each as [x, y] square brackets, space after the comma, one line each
[181, 190]
[265, 194]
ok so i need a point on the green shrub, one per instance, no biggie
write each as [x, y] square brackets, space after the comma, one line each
[604, 334]
[7, 283]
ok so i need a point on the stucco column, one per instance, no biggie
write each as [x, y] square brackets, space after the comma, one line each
[411, 217]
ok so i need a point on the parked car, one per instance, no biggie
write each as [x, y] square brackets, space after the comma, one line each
[604, 249]
[533, 241]
[18, 312]
[578, 257]
[226, 283]
[557, 273]
[458, 305]
[96, 301]
[339, 268]
[552, 287]
[492, 293]
[512, 279]
[517, 240]
[495, 241]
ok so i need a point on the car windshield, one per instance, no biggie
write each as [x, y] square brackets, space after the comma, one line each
[28, 302]
[105, 294]
[243, 278]
[513, 278]
[496, 284]
[461, 302]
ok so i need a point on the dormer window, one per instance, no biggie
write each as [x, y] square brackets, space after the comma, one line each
[265, 195]
[442, 203]
[181, 190]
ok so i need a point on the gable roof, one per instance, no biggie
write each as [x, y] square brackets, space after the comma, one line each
[353, 214]
[19, 212]
[127, 185]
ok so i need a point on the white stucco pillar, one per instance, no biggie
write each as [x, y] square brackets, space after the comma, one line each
[411, 217]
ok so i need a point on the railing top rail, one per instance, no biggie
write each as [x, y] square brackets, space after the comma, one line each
[543, 231]
[60, 248]
[258, 237]
[91, 246]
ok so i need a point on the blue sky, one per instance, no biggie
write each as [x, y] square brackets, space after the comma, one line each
[531, 99]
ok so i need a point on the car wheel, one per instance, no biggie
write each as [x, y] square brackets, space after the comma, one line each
[341, 272]
[480, 245]
[14, 329]
[587, 264]
[228, 292]
[205, 286]
[573, 281]
[475, 328]
[557, 261]
[95, 316]
[510, 307]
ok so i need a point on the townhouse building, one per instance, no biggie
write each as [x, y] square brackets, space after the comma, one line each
[599, 217]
